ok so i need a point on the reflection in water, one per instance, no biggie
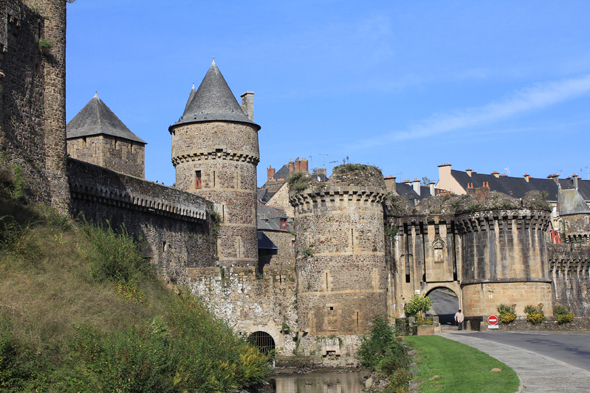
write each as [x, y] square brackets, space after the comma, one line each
[321, 382]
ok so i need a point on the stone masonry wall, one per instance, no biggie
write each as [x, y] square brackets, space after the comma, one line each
[176, 226]
[342, 276]
[32, 97]
[120, 155]
[226, 154]
[250, 302]
[281, 199]
[286, 253]
[570, 273]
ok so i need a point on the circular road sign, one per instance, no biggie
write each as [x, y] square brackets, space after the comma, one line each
[492, 320]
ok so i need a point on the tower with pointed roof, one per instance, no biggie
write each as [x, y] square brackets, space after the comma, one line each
[215, 153]
[96, 135]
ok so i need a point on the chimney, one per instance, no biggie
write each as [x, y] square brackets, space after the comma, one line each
[496, 174]
[527, 177]
[469, 171]
[390, 183]
[432, 191]
[416, 186]
[270, 172]
[554, 177]
[291, 167]
[575, 178]
[248, 104]
[297, 165]
[304, 167]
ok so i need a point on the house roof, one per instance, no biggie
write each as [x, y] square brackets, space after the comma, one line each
[282, 173]
[213, 101]
[265, 243]
[571, 202]
[407, 191]
[583, 187]
[516, 187]
[269, 218]
[96, 118]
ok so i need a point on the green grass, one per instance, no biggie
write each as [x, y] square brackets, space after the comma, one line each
[81, 310]
[459, 367]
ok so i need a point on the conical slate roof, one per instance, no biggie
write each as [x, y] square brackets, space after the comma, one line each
[95, 119]
[571, 202]
[213, 101]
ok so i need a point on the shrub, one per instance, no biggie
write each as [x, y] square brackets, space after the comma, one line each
[563, 313]
[381, 352]
[506, 313]
[417, 305]
[534, 314]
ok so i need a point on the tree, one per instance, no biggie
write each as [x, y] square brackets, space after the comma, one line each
[425, 181]
[418, 305]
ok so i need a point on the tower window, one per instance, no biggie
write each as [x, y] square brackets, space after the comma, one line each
[197, 179]
[284, 224]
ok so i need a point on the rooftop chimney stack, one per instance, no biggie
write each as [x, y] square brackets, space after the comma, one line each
[291, 167]
[432, 191]
[496, 174]
[304, 165]
[270, 172]
[554, 177]
[390, 183]
[416, 186]
[248, 104]
[469, 171]
[527, 177]
[575, 178]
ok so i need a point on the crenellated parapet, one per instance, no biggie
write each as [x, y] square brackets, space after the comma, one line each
[216, 154]
[304, 200]
[521, 219]
[100, 185]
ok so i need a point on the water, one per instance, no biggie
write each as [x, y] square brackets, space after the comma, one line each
[321, 382]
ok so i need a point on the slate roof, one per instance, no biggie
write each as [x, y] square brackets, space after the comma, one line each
[97, 119]
[265, 243]
[269, 218]
[571, 202]
[407, 191]
[583, 187]
[516, 187]
[213, 101]
[282, 173]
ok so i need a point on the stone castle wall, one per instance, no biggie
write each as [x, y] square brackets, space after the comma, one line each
[118, 154]
[226, 154]
[251, 302]
[32, 97]
[176, 226]
[286, 253]
[570, 273]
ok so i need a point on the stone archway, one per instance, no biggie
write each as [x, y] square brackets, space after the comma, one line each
[263, 341]
[446, 299]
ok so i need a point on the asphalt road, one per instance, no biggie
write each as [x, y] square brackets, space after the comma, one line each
[572, 348]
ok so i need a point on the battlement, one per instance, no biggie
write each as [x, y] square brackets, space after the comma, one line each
[314, 195]
[95, 183]
[523, 218]
[216, 154]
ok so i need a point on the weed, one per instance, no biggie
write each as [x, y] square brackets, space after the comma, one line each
[44, 44]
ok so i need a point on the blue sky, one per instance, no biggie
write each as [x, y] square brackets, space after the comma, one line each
[405, 86]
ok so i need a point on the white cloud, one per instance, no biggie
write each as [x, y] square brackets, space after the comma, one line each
[536, 97]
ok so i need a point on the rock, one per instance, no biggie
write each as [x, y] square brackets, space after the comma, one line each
[412, 353]
[369, 382]
[412, 365]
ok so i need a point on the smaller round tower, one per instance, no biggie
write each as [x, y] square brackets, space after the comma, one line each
[342, 276]
[215, 153]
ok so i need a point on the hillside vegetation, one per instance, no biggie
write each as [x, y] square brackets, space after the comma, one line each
[82, 311]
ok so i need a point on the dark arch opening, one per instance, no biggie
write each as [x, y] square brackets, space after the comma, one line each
[263, 341]
[445, 304]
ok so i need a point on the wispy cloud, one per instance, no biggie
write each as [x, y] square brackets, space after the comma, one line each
[539, 96]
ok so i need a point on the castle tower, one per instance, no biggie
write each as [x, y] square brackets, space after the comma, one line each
[342, 275]
[215, 152]
[503, 254]
[96, 135]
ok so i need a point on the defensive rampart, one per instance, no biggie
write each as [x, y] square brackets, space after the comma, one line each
[175, 224]
[570, 272]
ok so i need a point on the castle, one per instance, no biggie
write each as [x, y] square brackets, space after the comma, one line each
[358, 250]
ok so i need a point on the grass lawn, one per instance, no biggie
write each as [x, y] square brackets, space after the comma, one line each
[448, 366]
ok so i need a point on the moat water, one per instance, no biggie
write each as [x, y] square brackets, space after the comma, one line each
[321, 382]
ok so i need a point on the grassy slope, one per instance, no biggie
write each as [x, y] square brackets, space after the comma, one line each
[459, 368]
[67, 287]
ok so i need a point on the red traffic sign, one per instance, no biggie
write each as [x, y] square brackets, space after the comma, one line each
[492, 320]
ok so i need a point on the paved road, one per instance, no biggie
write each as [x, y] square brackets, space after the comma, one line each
[570, 348]
[538, 373]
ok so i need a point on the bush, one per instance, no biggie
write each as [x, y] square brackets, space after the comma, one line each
[381, 352]
[534, 314]
[563, 313]
[506, 313]
[417, 305]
